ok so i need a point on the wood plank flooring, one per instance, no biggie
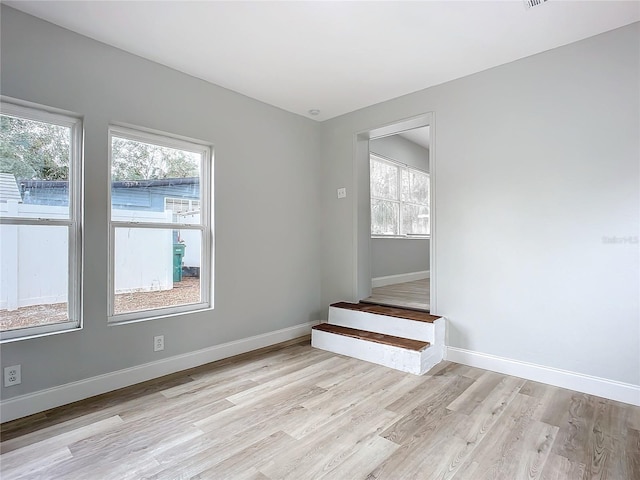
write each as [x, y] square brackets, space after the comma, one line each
[414, 295]
[301, 413]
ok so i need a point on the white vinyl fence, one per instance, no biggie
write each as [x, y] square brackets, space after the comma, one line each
[144, 256]
[34, 259]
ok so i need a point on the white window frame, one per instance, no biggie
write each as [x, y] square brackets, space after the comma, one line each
[400, 168]
[40, 113]
[205, 225]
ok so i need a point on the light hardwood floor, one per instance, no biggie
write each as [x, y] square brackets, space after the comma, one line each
[414, 295]
[302, 413]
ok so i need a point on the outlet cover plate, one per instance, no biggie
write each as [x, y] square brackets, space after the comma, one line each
[12, 376]
[158, 343]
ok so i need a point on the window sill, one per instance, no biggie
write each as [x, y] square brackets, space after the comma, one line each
[10, 336]
[147, 315]
[402, 237]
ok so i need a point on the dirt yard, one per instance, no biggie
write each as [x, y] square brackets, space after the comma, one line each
[184, 292]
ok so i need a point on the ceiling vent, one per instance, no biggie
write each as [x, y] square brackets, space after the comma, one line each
[533, 3]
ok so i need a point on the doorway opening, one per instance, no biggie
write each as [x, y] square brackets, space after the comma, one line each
[395, 171]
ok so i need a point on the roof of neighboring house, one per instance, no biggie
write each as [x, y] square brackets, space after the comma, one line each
[148, 194]
[9, 188]
[156, 182]
[44, 184]
[146, 183]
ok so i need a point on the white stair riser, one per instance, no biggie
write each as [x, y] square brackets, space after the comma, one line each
[439, 334]
[398, 358]
[431, 357]
[372, 322]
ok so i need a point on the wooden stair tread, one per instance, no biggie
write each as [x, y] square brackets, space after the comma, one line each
[388, 311]
[407, 343]
[393, 305]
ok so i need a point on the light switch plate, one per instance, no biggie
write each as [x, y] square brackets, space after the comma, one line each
[342, 192]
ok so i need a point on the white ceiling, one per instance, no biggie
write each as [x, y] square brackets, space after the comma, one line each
[333, 56]
[421, 136]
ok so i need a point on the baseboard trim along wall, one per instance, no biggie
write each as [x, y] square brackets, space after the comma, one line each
[42, 400]
[601, 387]
[401, 278]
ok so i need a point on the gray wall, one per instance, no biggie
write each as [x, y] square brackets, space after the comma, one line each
[394, 256]
[535, 162]
[266, 200]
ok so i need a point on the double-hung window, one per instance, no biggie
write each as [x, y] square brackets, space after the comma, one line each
[399, 199]
[160, 225]
[40, 221]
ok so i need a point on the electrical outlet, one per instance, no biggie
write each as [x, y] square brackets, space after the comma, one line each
[158, 343]
[342, 192]
[12, 376]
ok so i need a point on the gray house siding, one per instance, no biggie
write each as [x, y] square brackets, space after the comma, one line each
[146, 195]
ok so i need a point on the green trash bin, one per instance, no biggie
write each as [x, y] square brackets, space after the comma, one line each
[178, 255]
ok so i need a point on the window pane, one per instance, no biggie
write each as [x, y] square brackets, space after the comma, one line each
[156, 268]
[406, 185]
[415, 219]
[415, 187]
[34, 165]
[384, 217]
[34, 275]
[384, 180]
[149, 183]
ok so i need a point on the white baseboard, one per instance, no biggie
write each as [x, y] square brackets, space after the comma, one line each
[601, 387]
[401, 278]
[42, 400]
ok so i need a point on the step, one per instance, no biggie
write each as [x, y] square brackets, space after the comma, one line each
[404, 354]
[394, 321]
[391, 304]
[389, 311]
[408, 343]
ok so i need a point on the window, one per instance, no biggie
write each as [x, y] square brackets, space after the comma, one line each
[399, 199]
[160, 233]
[40, 212]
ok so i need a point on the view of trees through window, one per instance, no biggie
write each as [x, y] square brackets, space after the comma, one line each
[39, 231]
[32, 150]
[35, 173]
[399, 199]
[156, 223]
[133, 160]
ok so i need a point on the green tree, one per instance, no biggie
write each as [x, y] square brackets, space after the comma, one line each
[132, 160]
[34, 150]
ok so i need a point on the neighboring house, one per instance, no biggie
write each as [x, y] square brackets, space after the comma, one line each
[155, 195]
[133, 200]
